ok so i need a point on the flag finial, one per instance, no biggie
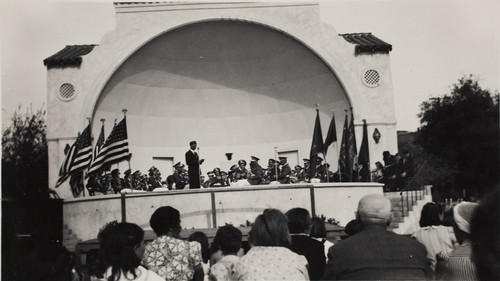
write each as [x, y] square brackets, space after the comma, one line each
[333, 112]
[89, 119]
[124, 111]
[102, 120]
[317, 106]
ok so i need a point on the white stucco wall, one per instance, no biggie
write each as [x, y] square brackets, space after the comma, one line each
[138, 24]
[85, 216]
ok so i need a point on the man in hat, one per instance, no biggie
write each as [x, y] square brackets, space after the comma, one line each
[374, 253]
[307, 166]
[286, 171]
[193, 161]
[116, 183]
[154, 178]
[127, 179]
[255, 176]
[179, 181]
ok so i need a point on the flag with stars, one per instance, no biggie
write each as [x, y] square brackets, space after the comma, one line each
[99, 143]
[114, 150]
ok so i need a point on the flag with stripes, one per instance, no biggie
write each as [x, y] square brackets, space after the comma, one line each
[114, 150]
[77, 157]
[83, 153]
[99, 143]
[66, 165]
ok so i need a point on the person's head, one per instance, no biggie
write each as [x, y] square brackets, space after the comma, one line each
[242, 163]
[166, 221]
[254, 159]
[122, 247]
[485, 231]
[386, 154]
[306, 162]
[115, 173]
[318, 229]
[299, 220]
[374, 209]
[282, 160]
[270, 229]
[462, 217]
[228, 240]
[405, 153]
[192, 145]
[297, 168]
[201, 238]
[430, 215]
[352, 227]
[270, 162]
[216, 171]
[379, 165]
[398, 156]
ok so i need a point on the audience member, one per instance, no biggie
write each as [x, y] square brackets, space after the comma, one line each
[202, 238]
[460, 265]
[169, 256]
[122, 246]
[437, 238]
[299, 225]
[318, 232]
[225, 252]
[374, 252]
[352, 228]
[485, 233]
[269, 257]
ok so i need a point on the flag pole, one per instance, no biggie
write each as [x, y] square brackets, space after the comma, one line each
[324, 155]
[276, 162]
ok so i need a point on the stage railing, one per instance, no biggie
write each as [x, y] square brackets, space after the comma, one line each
[413, 191]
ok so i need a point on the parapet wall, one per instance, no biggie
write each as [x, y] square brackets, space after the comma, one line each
[209, 208]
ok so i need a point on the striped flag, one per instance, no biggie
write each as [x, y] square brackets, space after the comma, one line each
[66, 165]
[77, 157]
[83, 152]
[114, 150]
[99, 143]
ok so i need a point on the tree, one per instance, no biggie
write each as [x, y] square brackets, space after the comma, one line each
[25, 156]
[462, 130]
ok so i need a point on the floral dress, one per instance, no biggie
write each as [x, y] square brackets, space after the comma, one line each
[171, 258]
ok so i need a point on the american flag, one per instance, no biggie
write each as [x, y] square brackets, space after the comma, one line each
[83, 152]
[114, 150]
[98, 145]
[77, 158]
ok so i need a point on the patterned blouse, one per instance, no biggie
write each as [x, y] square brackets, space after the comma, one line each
[271, 263]
[223, 269]
[173, 259]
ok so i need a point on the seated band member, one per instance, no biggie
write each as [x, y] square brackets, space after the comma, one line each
[255, 176]
[272, 171]
[179, 181]
[217, 178]
[241, 172]
[286, 171]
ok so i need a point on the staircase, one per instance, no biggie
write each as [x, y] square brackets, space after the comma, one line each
[70, 239]
[403, 221]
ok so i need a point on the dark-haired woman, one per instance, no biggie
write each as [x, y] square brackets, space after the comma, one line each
[169, 256]
[269, 257]
[122, 247]
[437, 238]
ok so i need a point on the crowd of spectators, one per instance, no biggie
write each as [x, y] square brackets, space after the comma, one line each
[292, 246]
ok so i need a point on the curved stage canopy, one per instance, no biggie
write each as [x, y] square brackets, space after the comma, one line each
[233, 86]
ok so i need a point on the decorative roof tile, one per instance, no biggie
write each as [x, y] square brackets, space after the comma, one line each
[367, 43]
[71, 55]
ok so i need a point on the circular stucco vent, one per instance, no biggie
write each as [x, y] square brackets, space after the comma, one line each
[67, 92]
[371, 78]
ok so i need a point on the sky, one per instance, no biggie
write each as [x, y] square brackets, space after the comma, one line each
[434, 43]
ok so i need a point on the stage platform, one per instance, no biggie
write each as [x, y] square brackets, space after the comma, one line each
[213, 207]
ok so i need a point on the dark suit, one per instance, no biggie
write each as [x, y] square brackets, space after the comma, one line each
[375, 253]
[285, 173]
[313, 250]
[193, 162]
[255, 173]
[179, 181]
